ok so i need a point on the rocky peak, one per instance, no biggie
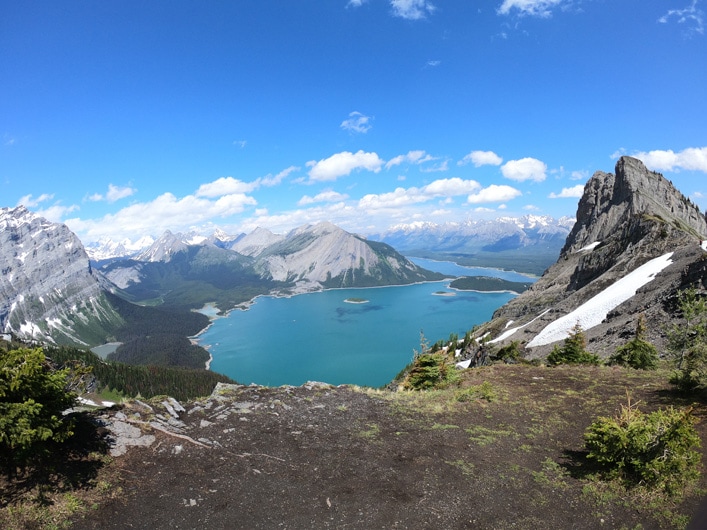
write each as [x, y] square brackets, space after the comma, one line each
[636, 241]
[613, 203]
[47, 285]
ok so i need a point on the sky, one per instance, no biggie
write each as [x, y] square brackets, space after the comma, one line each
[124, 118]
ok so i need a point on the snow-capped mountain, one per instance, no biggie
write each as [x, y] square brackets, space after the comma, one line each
[170, 244]
[255, 242]
[495, 235]
[106, 248]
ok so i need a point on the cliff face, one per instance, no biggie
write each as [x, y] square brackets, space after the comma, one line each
[624, 221]
[48, 290]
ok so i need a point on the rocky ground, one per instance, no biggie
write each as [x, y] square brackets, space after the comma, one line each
[503, 450]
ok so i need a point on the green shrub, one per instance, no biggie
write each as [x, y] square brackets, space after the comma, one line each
[638, 353]
[484, 391]
[509, 353]
[573, 350]
[430, 370]
[658, 450]
[32, 398]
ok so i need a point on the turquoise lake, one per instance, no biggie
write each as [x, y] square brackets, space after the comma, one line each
[321, 337]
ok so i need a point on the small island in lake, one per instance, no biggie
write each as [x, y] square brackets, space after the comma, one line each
[356, 301]
[443, 293]
[487, 283]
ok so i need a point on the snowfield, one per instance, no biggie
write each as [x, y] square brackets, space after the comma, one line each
[594, 310]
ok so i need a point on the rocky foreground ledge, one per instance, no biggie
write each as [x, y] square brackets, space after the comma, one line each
[504, 450]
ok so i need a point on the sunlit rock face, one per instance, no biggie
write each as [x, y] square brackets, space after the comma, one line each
[48, 290]
[624, 221]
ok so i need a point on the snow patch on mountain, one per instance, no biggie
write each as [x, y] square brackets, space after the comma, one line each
[594, 311]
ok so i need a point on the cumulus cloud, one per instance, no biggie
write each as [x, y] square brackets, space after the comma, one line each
[270, 180]
[355, 3]
[451, 187]
[230, 185]
[342, 164]
[481, 158]
[536, 8]
[114, 193]
[524, 169]
[412, 157]
[240, 143]
[575, 192]
[406, 196]
[56, 212]
[225, 186]
[412, 9]
[29, 202]
[690, 159]
[494, 193]
[325, 196]
[164, 212]
[690, 15]
[357, 123]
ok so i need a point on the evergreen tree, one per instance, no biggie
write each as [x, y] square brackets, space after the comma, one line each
[32, 399]
[638, 352]
[687, 340]
[573, 350]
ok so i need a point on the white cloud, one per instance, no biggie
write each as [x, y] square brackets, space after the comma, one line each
[342, 164]
[524, 169]
[355, 3]
[451, 187]
[538, 8]
[325, 196]
[224, 186]
[229, 185]
[412, 157]
[575, 192]
[116, 193]
[273, 180]
[442, 166]
[481, 158]
[494, 193]
[164, 212]
[404, 197]
[689, 15]
[357, 123]
[56, 212]
[531, 208]
[28, 202]
[690, 159]
[579, 175]
[412, 9]
[240, 143]
[394, 199]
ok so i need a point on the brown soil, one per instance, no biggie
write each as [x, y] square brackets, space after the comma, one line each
[343, 457]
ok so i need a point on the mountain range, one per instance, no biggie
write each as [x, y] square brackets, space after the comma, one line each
[491, 243]
[636, 242]
[527, 244]
[52, 292]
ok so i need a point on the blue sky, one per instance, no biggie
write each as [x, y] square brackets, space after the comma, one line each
[125, 118]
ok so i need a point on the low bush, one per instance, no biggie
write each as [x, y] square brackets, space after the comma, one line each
[658, 450]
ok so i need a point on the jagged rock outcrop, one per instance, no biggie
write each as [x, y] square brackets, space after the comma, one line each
[48, 290]
[626, 220]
